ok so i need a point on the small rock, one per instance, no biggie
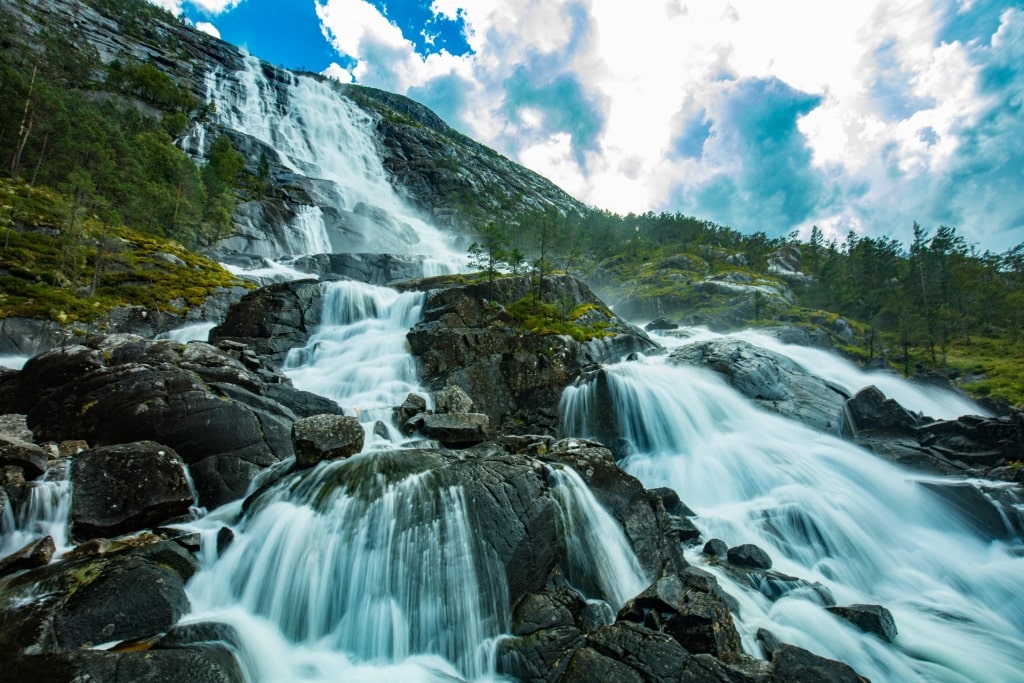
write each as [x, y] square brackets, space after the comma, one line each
[36, 554]
[869, 618]
[749, 555]
[716, 547]
[661, 324]
[455, 430]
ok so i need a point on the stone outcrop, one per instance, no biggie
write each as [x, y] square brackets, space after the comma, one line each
[870, 619]
[225, 419]
[326, 437]
[772, 380]
[515, 377]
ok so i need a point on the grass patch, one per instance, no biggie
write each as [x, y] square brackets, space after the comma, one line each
[583, 323]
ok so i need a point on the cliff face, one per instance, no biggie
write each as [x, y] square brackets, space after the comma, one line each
[307, 202]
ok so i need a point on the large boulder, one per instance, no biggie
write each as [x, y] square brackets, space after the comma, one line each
[127, 487]
[199, 400]
[772, 380]
[326, 437]
[516, 377]
[869, 618]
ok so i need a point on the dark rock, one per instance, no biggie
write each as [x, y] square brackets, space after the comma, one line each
[627, 652]
[659, 324]
[453, 399]
[454, 430]
[38, 553]
[225, 537]
[800, 335]
[870, 411]
[225, 430]
[326, 437]
[375, 269]
[716, 548]
[128, 487]
[729, 669]
[792, 664]
[993, 512]
[749, 555]
[131, 599]
[772, 380]
[274, 319]
[197, 664]
[17, 453]
[700, 621]
[539, 656]
[870, 619]
[515, 377]
[768, 641]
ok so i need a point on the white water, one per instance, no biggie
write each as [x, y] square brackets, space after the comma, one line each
[931, 401]
[825, 511]
[322, 135]
[341, 573]
[13, 362]
[45, 513]
[599, 561]
[187, 333]
[359, 356]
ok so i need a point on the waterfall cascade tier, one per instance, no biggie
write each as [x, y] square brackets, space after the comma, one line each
[324, 149]
[827, 512]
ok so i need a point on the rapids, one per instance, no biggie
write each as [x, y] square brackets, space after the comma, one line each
[827, 512]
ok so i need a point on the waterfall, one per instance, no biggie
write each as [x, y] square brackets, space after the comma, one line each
[826, 511]
[349, 572]
[598, 561]
[330, 146]
[359, 355]
[187, 333]
[932, 401]
[44, 512]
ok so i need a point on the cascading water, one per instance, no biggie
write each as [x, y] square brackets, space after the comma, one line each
[345, 573]
[599, 561]
[358, 356]
[43, 513]
[827, 512]
[320, 134]
[932, 401]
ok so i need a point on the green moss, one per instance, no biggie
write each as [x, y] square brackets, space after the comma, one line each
[545, 318]
[68, 268]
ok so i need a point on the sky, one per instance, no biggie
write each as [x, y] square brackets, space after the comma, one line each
[773, 117]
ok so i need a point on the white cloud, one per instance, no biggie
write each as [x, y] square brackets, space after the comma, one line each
[207, 28]
[888, 103]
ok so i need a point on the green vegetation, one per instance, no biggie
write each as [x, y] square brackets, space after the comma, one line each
[61, 263]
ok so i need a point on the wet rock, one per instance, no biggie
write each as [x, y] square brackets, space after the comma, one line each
[375, 269]
[127, 487]
[539, 656]
[792, 664]
[197, 664]
[326, 437]
[627, 652]
[454, 430]
[37, 553]
[870, 411]
[774, 381]
[699, 620]
[870, 619]
[660, 324]
[749, 555]
[122, 389]
[129, 599]
[994, 512]
[716, 548]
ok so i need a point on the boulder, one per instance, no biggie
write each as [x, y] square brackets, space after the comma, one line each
[453, 399]
[869, 618]
[994, 512]
[660, 324]
[791, 664]
[326, 437]
[15, 452]
[698, 620]
[716, 548]
[454, 430]
[749, 555]
[375, 269]
[202, 663]
[870, 411]
[772, 380]
[196, 399]
[127, 487]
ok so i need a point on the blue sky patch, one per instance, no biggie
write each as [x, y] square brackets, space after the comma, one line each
[425, 30]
